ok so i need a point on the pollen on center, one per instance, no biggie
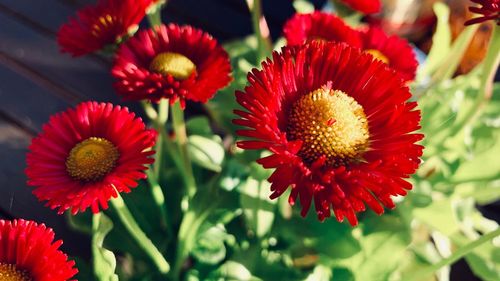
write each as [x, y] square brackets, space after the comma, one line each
[330, 123]
[175, 64]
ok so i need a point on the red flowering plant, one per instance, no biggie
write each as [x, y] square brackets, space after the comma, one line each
[338, 151]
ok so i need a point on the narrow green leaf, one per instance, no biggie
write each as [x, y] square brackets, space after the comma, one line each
[104, 261]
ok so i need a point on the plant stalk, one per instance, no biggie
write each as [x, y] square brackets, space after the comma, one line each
[138, 235]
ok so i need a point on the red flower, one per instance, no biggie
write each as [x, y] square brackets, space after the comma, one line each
[27, 252]
[490, 9]
[338, 124]
[364, 6]
[174, 62]
[302, 28]
[84, 156]
[96, 27]
[394, 51]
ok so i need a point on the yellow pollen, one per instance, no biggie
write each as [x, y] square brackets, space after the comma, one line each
[378, 55]
[330, 123]
[92, 159]
[9, 272]
[104, 21]
[175, 64]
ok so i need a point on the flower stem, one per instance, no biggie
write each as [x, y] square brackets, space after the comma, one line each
[258, 22]
[159, 198]
[458, 254]
[489, 69]
[154, 16]
[160, 122]
[182, 142]
[138, 235]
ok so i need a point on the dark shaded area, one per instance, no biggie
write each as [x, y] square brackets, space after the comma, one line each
[229, 19]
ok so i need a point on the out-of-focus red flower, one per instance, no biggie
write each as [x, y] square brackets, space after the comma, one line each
[392, 50]
[302, 28]
[173, 62]
[338, 124]
[490, 10]
[84, 156]
[96, 27]
[364, 6]
[28, 252]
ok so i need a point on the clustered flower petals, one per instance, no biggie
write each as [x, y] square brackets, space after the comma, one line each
[394, 51]
[28, 250]
[84, 156]
[397, 51]
[96, 27]
[173, 62]
[371, 176]
[302, 28]
[490, 10]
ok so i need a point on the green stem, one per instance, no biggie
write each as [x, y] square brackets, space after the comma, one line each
[160, 122]
[188, 230]
[149, 110]
[182, 143]
[263, 43]
[154, 17]
[455, 55]
[138, 235]
[159, 198]
[489, 69]
[458, 254]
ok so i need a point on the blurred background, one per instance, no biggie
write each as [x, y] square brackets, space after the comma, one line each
[37, 81]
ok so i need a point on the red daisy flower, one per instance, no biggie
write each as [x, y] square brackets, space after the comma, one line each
[96, 27]
[171, 61]
[490, 9]
[27, 252]
[364, 6]
[84, 156]
[392, 50]
[302, 28]
[339, 127]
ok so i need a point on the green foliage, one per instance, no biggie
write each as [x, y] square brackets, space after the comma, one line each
[231, 230]
[103, 260]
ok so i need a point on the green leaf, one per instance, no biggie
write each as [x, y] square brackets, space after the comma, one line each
[320, 273]
[441, 41]
[199, 125]
[440, 216]
[258, 209]
[233, 271]
[206, 152]
[303, 6]
[81, 222]
[383, 244]
[209, 247]
[104, 261]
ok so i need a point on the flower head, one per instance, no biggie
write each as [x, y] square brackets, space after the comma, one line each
[339, 127]
[490, 10]
[392, 50]
[28, 253]
[171, 61]
[96, 27]
[84, 156]
[364, 6]
[302, 28]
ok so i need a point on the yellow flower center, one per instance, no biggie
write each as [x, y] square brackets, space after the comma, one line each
[175, 64]
[9, 272]
[92, 159]
[378, 55]
[329, 123]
